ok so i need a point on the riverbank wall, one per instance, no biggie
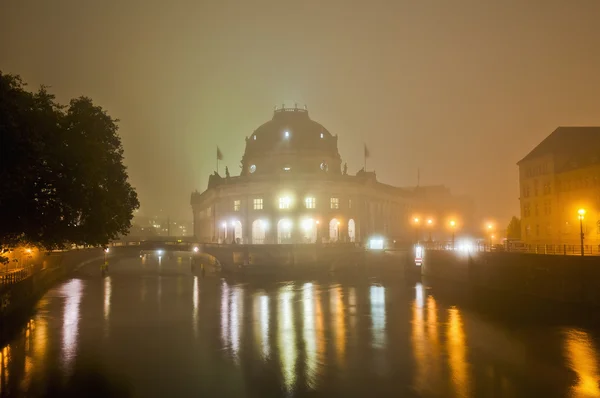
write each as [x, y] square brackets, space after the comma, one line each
[564, 279]
[17, 299]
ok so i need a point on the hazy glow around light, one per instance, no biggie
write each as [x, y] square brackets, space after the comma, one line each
[196, 249]
[286, 134]
[376, 244]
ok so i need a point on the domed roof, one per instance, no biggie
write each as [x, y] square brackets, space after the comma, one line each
[289, 135]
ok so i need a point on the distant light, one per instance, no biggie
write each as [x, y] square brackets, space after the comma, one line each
[286, 224]
[307, 224]
[159, 252]
[196, 249]
[430, 221]
[106, 249]
[376, 244]
[233, 223]
[254, 137]
[252, 168]
[321, 135]
[224, 224]
[581, 213]
[286, 134]
[28, 250]
[416, 220]
[287, 168]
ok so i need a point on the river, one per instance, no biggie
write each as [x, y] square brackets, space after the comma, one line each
[153, 328]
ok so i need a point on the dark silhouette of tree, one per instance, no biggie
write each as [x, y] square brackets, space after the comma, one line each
[513, 231]
[62, 178]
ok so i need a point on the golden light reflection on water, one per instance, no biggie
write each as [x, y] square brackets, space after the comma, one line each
[457, 353]
[338, 320]
[225, 314]
[195, 302]
[378, 318]
[581, 355]
[236, 320]
[73, 291]
[288, 352]
[309, 334]
[425, 342]
[5, 354]
[261, 323]
[107, 294]
[418, 341]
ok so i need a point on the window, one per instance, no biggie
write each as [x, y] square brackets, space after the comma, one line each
[335, 203]
[537, 210]
[547, 207]
[285, 202]
[236, 205]
[310, 203]
[526, 191]
[349, 203]
[258, 204]
[547, 189]
[526, 210]
[537, 230]
[598, 227]
[535, 188]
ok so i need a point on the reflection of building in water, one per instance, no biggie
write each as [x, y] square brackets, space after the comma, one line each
[236, 320]
[196, 300]
[107, 293]
[288, 351]
[73, 291]
[225, 314]
[378, 316]
[581, 354]
[338, 321]
[309, 335]
[261, 323]
[425, 342]
[457, 353]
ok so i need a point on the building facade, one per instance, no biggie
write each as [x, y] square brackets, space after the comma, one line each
[293, 188]
[557, 178]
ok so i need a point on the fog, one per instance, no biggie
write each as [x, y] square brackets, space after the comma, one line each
[458, 89]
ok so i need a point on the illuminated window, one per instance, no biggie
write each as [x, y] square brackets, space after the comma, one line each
[335, 203]
[252, 168]
[287, 168]
[258, 204]
[285, 202]
[286, 134]
[254, 137]
[598, 227]
[236, 205]
[310, 203]
[321, 135]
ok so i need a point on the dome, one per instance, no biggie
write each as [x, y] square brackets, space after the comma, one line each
[291, 142]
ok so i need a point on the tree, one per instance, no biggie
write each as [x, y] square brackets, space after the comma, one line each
[62, 178]
[513, 231]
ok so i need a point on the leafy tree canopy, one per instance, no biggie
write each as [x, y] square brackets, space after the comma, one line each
[62, 178]
[513, 231]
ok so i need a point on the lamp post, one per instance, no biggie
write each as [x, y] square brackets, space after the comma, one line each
[452, 227]
[581, 214]
[416, 221]
[430, 225]
[490, 228]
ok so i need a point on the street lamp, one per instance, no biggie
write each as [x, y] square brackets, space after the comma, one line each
[581, 214]
[429, 225]
[490, 228]
[452, 227]
[416, 221]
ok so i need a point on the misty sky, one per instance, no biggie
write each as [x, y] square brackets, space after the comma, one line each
[462, 89]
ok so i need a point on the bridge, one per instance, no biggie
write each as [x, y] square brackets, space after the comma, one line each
[236, 257]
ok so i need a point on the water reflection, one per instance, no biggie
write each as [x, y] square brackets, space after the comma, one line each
[338, 320]
[107, 293]
[195, 300]
[73, 291]
[418, 341]
[225, 313]
[4, 370]
[457, 353]
[287, 336]
[261, 323]
[378, 316]
[309, 334]
[581, 356]
[236, 321]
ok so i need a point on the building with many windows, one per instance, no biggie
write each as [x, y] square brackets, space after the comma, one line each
[557, 178]
[293, 189]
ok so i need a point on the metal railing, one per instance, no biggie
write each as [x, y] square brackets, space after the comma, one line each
[561, 250]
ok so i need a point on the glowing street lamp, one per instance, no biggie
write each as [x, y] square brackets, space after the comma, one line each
[417, 223]
[490, 228]
[430, 225]
[452, 227]
[581, 214]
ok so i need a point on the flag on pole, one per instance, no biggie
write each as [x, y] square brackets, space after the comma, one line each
[367, 154]
[219, 154]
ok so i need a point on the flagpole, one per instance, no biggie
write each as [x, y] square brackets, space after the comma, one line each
[217, 160]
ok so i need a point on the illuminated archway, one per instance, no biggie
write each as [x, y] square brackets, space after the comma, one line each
[259, 232]
[284, 231]
[334, 230]
[309, 230]
[351, 230]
